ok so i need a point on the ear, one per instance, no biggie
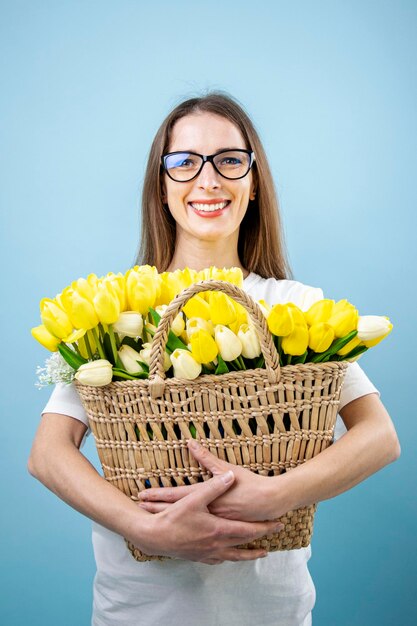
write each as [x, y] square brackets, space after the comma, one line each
[254, 187]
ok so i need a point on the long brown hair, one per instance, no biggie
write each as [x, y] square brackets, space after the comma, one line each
[261, 247]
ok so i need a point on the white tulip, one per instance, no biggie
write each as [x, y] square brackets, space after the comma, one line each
[185, 365]
[129, 357]
[372, 329]
[230, 346]
[95, 373]
[195, 323]
[129, 324]
[251, 348]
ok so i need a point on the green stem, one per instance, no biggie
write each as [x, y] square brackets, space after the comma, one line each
[113, 343]
[242, 362]
[88, 346]
[98, 343]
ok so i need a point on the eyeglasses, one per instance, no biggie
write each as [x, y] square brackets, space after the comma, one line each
[185, 166]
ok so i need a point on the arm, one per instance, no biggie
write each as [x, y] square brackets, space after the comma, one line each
[190, 531]
[370, 444]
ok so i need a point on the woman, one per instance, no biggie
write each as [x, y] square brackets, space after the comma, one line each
[209, 200]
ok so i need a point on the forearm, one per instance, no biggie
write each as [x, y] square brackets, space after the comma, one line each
[69, 474]
[369, 445]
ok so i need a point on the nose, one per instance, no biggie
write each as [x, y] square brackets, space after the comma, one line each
[208, 177]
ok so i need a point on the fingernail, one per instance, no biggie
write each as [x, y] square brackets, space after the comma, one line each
[194, 445]
[228, 477]
[278, 527]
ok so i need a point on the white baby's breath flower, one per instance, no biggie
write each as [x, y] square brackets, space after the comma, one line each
[56, 370]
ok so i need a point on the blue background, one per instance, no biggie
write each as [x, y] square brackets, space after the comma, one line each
[332, 88]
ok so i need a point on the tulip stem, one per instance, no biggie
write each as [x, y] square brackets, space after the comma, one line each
[113, 342]
[98, 343]
[88, 346]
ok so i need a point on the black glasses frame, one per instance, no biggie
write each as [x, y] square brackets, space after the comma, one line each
[207, 159]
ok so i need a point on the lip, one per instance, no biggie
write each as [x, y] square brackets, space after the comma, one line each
[209, 214]
[211, 201]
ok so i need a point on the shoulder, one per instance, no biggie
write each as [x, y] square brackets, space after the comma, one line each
[275, 291]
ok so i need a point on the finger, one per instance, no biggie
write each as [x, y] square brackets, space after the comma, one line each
[166, 494]
[233, 554]
[210, 490]
[154, 507]
[206, 458]
[248, 531]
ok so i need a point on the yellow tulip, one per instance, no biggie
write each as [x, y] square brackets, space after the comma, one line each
[296, 343]
[319, 312]
[229, 344]
[86, 288]
[141, 291]
[344, 318]
[48, 341]
[129, 324]
[372, 329]
[197, 307]
[280, 320]
[55, 318]
[95, 373]
[203, 347]
[222, 310]
[321, 336]
[171, 284]
[76, 335]
[251, 348]
[80, 310]
[185, 365]
[118, 282]
[106, 303]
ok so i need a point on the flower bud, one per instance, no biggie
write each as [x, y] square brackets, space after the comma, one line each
[203, 347]
[54, 318]
[222, 310]
[251, 348]
[344, 318]
[321, 336]
[48, 341]
[372, 329]
[129, 357]
[95, 373]
[319, 312]
[296, 343]
[197, 307]
[197, 323]
[185, 365]
[230, 346]
[129, 324]
[106, 303]
[280, 320]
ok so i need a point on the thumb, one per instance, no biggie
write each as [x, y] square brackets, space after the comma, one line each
[211, 489]
[207, 459]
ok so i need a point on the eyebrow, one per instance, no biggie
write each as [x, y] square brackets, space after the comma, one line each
[215, 152]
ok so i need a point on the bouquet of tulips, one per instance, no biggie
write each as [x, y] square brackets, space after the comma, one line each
[101, 329]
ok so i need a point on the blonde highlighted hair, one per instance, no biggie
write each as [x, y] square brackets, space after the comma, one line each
[261, 247]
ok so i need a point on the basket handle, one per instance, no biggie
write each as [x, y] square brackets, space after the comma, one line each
[156, 361]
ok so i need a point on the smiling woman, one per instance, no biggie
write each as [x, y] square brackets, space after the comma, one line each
[209, 200]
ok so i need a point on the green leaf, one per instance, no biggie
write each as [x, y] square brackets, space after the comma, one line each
[108, 351]
[72, 358]
[260, 362]
[353, 353]
[337, 345]
[221, 367]
[133, 343]
[119, 373]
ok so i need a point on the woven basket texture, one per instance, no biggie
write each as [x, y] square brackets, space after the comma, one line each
[266, 420]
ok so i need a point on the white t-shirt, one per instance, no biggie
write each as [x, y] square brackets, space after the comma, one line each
[274, 591]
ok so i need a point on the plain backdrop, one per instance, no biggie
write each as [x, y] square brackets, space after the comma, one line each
[331, 87]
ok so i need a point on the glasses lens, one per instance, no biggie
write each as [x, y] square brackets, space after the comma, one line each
[233, 163]
[183, 166]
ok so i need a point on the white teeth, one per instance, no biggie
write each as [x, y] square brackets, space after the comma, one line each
[209, 207]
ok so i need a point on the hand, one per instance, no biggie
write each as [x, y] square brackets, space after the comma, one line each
[248, 500]
[187, 530]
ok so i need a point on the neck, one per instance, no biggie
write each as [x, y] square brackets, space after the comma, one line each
[199, 254]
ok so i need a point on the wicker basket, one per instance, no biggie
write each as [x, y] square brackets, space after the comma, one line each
[267, 420]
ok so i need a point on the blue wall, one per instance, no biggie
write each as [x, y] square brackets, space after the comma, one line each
[332, 88]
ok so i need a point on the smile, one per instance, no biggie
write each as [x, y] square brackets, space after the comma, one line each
[208, 207]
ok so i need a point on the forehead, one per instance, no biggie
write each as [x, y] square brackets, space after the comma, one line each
[205, 133]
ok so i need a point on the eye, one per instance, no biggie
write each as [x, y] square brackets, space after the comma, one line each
[230, 161]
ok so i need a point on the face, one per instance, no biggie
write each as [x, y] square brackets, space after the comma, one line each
[189, 202]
